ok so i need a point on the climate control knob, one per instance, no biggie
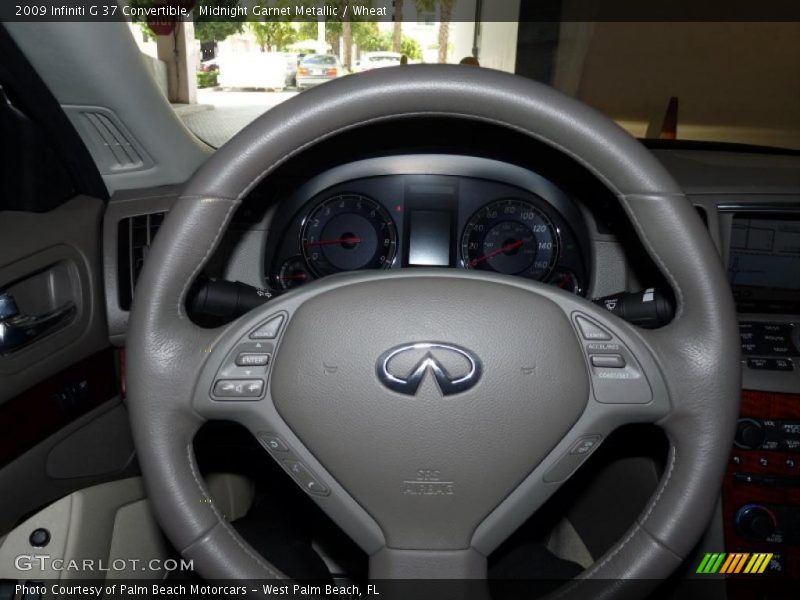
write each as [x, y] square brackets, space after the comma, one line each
[755, 522]
[749, 434]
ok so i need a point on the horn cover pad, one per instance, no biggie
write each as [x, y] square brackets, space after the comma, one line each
[413, 460]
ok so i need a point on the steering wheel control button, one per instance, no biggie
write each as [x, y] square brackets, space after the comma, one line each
[608, 361]
[591, 331]
[586, 444]
[239, 389]
[305, 478]
[246, 359]
[569, 463]
[269, 329]
[273, 443]
[617, 377]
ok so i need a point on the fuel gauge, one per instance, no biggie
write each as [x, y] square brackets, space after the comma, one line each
[566, 280]
[293, 273]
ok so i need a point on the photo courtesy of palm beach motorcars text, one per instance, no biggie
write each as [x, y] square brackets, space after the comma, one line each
[33, 589]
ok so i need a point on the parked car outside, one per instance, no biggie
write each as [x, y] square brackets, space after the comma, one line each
[378, 60]
[318, 68]
[293, 59]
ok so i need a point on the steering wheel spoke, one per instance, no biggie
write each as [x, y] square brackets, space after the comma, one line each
[316, 400]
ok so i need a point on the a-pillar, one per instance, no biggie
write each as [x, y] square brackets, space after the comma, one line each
[177, 50]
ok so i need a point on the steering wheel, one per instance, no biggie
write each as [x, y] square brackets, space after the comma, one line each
[430, 412]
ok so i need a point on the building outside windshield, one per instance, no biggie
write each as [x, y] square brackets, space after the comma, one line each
[731, 82]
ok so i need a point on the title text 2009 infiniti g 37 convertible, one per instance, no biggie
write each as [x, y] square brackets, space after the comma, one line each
[426, 322]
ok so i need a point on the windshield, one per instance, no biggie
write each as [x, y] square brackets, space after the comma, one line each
[731, 82]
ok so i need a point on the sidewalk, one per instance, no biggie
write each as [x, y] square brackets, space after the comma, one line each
[220, 114]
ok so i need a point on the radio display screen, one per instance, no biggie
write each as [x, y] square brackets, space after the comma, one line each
[764, 262]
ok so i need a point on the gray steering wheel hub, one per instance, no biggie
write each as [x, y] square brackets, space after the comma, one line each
[415, 461]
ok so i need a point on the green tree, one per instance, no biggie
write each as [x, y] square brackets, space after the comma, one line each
[206, 29]
[333, 29]
[368, 38]
[411, 48]
[271, 34]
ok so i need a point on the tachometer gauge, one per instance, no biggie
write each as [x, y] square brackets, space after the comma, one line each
[293, 273]
[348, 232]
[512, 237]
[566, 280]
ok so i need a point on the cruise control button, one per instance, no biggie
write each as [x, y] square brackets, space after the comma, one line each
[268, 330]
[590, 331]
[239, 388]
[245, 359]
[305, 478]
[608, 361]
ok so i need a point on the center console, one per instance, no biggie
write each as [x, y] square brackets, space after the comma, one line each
[761, 490]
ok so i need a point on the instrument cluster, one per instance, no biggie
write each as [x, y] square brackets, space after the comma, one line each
[421, 220]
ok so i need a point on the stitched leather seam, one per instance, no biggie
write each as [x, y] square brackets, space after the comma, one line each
[646, 240]
[623, 199]
[646, 515]
[506, 124]
[211, 248]
[223, 522]
[640, 522]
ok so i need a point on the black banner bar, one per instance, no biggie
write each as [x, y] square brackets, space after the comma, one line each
[383, 10]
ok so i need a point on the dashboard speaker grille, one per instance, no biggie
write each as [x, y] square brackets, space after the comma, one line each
[134, 237]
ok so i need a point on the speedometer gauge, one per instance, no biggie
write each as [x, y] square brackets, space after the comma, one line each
[348, 232]
[513, 237]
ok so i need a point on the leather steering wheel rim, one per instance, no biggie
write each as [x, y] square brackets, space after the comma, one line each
[696, 355]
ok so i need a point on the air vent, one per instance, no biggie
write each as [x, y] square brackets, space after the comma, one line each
[112, 146]
[134, 236]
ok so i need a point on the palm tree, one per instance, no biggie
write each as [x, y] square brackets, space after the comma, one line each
[397, 35]
[445, 14]
[347, 42]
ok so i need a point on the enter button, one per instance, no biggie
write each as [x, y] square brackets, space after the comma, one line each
[608, 361]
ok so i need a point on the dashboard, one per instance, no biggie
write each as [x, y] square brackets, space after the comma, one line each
[430, 211]
[526, 217]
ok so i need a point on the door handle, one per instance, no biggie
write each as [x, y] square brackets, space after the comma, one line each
[17, 330]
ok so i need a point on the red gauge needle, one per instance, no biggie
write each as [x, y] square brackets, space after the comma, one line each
[300, 276]
[563, 281]
[344, 240]
[505, 248]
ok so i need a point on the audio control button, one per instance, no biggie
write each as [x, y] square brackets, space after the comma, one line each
[749, 434]
[756, 522]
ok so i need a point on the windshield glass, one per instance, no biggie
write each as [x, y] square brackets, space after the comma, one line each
[731, 82]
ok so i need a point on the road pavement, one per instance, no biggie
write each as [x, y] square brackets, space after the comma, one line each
[220, 114]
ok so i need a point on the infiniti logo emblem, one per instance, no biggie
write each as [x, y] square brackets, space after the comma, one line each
[403, 368]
